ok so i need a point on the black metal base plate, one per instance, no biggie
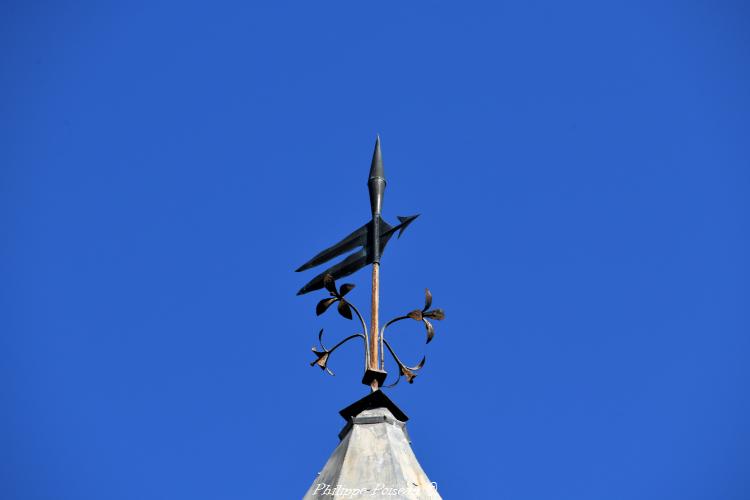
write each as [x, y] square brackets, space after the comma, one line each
[371, 375]
[376, 399]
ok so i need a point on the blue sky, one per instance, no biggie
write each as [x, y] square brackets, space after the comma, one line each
[582, 171]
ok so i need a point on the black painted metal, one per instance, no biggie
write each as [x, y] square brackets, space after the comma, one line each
[364, 237]
[376, 399]
[371, 237]
[376, 187]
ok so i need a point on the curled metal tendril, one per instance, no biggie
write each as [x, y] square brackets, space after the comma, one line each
[324, 354]
[423, 315]
[345, 308]
[410, 372]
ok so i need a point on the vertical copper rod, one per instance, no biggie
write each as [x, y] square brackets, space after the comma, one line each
[374, 343]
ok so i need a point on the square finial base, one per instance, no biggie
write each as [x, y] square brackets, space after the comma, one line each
[374, 375]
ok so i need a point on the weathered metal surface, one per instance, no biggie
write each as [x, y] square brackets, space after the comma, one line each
[373, 460]
[374, 343]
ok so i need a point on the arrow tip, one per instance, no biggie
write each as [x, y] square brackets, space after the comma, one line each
[376, 167]
[404, 222]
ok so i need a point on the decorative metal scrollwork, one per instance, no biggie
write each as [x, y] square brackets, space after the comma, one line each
[345, 309]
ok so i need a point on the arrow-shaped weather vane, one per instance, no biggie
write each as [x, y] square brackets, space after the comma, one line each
[372, 238]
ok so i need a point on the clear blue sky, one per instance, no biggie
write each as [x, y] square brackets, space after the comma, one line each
[583, 174]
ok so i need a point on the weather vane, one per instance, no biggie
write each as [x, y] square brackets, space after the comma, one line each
[372, 238]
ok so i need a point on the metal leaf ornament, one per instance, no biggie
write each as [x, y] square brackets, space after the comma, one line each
[336, 296]
[345, 309]
[422, 315]
[322, 356]
[409, 371]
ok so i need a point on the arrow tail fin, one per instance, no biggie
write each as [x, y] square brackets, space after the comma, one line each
[350, 242]
[351, 264]
[356, 261]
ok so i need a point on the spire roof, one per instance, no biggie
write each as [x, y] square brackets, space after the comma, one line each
[374, 458]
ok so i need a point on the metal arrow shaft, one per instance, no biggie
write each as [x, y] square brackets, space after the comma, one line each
[374, 331]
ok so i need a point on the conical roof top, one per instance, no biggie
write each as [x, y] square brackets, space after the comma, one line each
[374, 458]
